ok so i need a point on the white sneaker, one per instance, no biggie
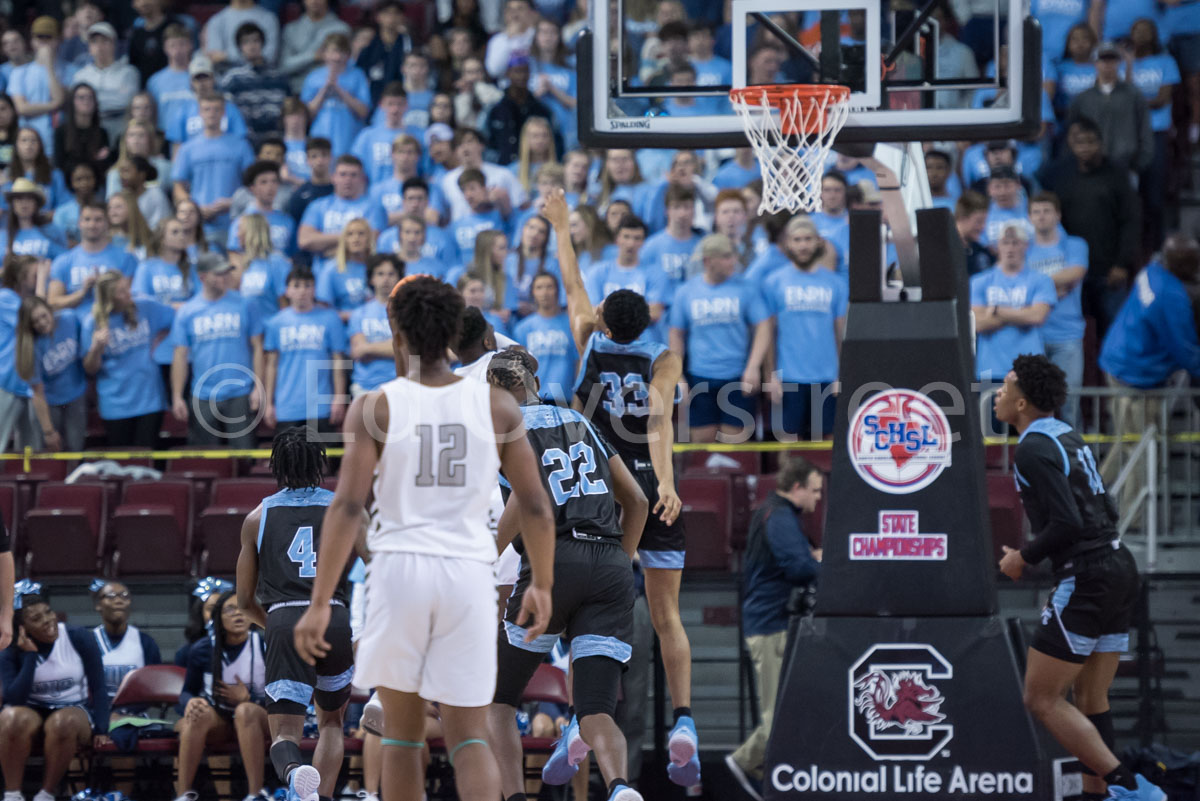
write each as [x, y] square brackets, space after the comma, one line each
[372, 716]
[42, 795]
[303, 783]
[190, 795]
[13, 795]
[365, 796]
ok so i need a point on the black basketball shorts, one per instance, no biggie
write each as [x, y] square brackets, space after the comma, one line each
[1091, 611]
[292, 682]
[662, 545]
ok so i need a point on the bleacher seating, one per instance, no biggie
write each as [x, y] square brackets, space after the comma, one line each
[152, 528]
[66, 530]
[220, 524]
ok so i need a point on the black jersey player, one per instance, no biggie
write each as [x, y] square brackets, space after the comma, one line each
[1085, 624]
[275, 571]
[593, 585]
[626, 386]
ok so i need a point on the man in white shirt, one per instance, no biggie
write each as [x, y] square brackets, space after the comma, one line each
[504, 190]
[519, 19]
[115, 82]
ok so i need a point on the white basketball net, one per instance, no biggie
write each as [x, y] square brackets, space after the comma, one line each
[792, 172]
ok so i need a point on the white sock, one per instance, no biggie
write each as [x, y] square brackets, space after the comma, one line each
[13, 795]
[42, 795]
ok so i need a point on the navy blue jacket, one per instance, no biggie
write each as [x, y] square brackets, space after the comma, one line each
[778, 559]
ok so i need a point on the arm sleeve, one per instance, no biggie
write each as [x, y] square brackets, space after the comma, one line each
[790, 547]
[93, 668]
[150, 649]
[1047, 489]
[16, 674]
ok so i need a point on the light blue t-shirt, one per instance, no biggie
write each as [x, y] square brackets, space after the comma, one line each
[306, 343]
[1149, 75]
[464, 230]
[129, 383]
[732, 175]
[55, 191]
[346, 290]
[522, 286]
[163, 282]
[1180, 20]
[370, 320]
[389, 193]
[31, 82]
[42, 242]
[718, 322]
[716, 71]
[549, 340]
[212, 167]
[10, 306]
[566, 81]
[217, 334]
[606, 277]
[373, 146]
[995, 350]
[806, 306]
[998, 217]
[187, 124]
[264, 282]
[438, 247]
[1065, 322]
[835, 231]
[765, 264]
[671, 256]
[1073, 80]
[334, 120]
[1057, 17]
[171, 89]
[75, 266]
[58, 362]
[282, 228]
[330, 214]
[296, 158]
[1119, 17]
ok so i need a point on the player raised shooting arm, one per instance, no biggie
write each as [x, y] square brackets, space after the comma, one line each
[895, 213]
[580, 310]
[247, 570]
[667, 371]
[343, 521]
[634, 506]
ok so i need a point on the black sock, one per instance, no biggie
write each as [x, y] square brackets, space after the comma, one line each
[516, 797]
[1094, 796]
[324, 798]
[682, 711]
[615, 783]
[285, 755]
[570, 712]
[1121, 775]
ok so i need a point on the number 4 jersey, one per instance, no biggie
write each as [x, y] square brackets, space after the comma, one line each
[437, 471]
[289, 534]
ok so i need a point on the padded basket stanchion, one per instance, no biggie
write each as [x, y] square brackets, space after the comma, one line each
[792, 128]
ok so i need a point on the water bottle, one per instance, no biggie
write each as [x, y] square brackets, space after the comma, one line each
[524, 724]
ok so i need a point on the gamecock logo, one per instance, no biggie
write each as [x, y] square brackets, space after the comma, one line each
[895, 710]
[899, 441]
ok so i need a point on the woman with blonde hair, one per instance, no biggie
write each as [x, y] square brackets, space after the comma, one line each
[589, 236]
[263, 279]
[188, 213]
[139, 139]
[534, 148]
[528, 260]
[48, 359]
[168, 276]
[474, 293]
[342, 280]
[620, 178]
[117, 340]
[487, 264]
[127, 225]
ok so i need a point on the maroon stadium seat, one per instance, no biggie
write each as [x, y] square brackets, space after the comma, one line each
[712, 492]
[152, 528]
[707, 540]
[220, 525]
[1005, 511]
[748, 463]
[152, 685]
[65, 532]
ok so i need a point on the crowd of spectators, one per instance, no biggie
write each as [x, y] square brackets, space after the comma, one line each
[202, 216]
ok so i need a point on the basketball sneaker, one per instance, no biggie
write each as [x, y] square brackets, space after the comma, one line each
[372, 716]
[683, 748]
[625, 793]
[569, 751]
[303, 783]
[1145, 791]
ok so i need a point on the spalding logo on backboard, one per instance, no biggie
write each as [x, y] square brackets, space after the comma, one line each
[895, 704]
[899, 441]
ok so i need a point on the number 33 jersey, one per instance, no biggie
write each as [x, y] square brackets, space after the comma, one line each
[614, 389]
[289, 535]
[574, 462]
[437, 471]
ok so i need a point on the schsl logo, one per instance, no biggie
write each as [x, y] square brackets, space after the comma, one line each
[895, 709]
[899, 441]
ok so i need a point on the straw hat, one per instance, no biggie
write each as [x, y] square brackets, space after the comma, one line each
[24, 186]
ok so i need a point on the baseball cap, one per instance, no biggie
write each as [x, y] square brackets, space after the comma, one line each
[44, 26]
[200, 65]
[1108, 50]
[1004, 173]
[518, 59]
[212, 263]
[102, 29]
[438, 132]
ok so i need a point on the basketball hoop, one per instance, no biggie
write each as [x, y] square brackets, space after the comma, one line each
[792, 145]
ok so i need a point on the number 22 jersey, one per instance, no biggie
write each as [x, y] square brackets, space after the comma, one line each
[289, 535]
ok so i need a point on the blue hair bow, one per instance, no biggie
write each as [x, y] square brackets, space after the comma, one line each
[25, 587]
[210, 584]
[97, 584]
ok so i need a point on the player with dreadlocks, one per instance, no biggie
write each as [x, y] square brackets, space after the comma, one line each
[431, 444]
[275, 572]
[593, 588]
[1085, 625]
